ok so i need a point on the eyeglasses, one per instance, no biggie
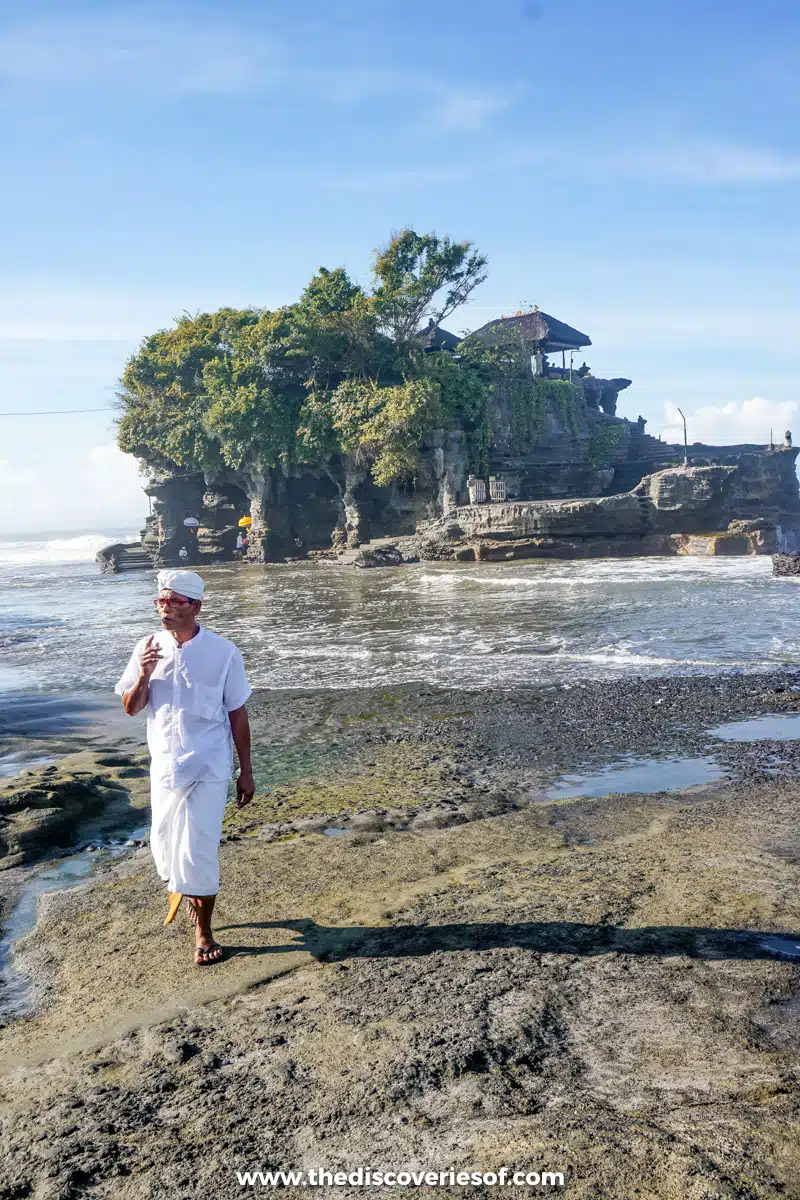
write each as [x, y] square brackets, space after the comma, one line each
[168, 602]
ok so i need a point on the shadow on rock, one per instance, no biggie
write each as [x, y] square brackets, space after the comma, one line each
[327, 943]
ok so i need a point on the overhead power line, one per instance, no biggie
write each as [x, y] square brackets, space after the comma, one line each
[55, 412]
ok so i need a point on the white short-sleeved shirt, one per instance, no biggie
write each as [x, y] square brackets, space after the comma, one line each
[191, 692]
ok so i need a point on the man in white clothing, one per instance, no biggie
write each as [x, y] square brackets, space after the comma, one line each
[193, 685]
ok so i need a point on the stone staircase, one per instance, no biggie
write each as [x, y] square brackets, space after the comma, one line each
[122, 557]
[646, 446]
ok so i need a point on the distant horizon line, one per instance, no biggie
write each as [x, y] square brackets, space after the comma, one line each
[70, 531]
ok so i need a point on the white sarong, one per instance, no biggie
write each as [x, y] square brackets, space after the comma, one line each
[184, 835]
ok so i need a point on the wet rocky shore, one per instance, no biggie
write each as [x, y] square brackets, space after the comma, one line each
[438, 955]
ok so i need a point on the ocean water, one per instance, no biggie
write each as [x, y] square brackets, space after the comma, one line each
[66, 628]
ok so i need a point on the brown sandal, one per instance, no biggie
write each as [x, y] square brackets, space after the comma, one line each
[212, 949]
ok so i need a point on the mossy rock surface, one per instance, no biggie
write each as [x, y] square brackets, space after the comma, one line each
[44, 810]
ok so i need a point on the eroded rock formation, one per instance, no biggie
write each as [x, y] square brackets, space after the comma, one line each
[577, 478]
[299, 508]
[575, 451]
[684, 510]
[47, 807]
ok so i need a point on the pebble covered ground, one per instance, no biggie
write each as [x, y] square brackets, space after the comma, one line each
[469, 975]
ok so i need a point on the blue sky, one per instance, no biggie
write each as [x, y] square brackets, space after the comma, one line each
[632, 168]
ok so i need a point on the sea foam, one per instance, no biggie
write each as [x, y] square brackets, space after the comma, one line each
[80, 548]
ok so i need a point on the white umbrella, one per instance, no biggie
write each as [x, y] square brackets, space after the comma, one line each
[191, 521]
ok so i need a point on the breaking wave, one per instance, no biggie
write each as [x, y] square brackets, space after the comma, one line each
[301, 625]
[80, 548]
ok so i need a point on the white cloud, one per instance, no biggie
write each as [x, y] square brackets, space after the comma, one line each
[708, 325]
[700, 162]
[446, 107]
[12, 477]
[110, 466]
[127, 51]
[95, 489]
[410, 177]
[123, 50]
[462, 110]
[46, 311]
[618, 156]
[733, 423]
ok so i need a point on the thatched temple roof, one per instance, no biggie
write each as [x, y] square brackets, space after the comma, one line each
[539, 329]
[433, 337]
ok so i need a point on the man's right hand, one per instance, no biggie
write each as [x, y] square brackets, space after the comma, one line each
[150, 656]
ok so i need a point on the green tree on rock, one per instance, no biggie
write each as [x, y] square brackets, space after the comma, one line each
[337, 373]
[421, 277]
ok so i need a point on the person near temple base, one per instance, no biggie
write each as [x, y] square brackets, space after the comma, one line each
[193, 685]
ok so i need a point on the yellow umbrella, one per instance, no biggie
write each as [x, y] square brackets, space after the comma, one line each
[245, 521]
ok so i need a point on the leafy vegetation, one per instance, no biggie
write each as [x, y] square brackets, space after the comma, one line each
[507, 367]
[419, 276]
[338, 372]
[604, 444]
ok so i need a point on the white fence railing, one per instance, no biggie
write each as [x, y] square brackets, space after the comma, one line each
[497, 488]
[478, 493]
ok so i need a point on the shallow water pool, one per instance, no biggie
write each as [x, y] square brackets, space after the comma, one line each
[642, 775]
[774, 727]
[17, 994]
[784, 946]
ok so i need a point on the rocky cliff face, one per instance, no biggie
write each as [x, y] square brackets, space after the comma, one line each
[297, 509]
[574, 445]
[578, 480]
[691, 500]
[750, 485]
[578, 449]
[694, 510]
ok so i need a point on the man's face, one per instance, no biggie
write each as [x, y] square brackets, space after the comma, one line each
[178, 613]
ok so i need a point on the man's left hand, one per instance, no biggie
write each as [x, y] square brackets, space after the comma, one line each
[245, 788]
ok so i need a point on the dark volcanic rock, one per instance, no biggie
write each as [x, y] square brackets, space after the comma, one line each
[584, 984]
[47, 810]
[380, 556]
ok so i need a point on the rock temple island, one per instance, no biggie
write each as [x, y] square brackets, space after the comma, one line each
[565, 476]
